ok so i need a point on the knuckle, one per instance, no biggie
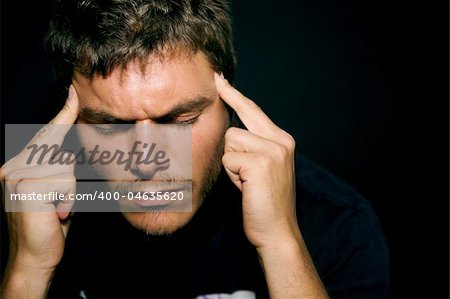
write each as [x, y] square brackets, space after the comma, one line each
[252, 104]
[14, 175]
[25, 187]
[280, 151]
[226, 158]
[231, 132]
[290, 141]
[7, 168]
[287, 140]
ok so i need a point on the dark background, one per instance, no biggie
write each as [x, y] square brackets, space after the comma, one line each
[362, 86]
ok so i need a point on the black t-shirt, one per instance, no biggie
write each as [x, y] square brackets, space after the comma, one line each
[106, 257]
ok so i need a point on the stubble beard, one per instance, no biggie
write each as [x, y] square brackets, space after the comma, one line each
[164, 223]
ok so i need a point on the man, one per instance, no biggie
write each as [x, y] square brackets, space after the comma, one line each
[261, 223]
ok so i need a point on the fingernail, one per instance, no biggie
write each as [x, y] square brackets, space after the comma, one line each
[221, 75]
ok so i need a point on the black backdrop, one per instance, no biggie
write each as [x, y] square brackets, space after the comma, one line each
[362, 86]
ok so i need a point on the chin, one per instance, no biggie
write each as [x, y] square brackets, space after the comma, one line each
[165, 222]
[159, 223]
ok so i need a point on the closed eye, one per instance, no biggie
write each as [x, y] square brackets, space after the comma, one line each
[189, 121]
[112, 128]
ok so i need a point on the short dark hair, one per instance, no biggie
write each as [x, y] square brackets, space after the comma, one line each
[96, 36]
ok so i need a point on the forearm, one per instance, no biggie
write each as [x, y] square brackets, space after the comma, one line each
[21, 282]
[289, 270]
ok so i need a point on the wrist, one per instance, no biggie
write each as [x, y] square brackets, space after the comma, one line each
[279, 248]
[22, 280]
[27, 269]
[286, 240]
[287, 263]
[33, 261]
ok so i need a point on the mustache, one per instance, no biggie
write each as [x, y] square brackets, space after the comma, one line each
[136, 184]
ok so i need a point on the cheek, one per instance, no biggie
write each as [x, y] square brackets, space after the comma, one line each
[85, 135]
[207, 139]
[91, 140]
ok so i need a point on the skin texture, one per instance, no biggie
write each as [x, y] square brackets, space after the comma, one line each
[141, 97]
[259, 160]
[36, 239]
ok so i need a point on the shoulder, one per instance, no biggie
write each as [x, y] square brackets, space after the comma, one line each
[324, 199]
[342, 233]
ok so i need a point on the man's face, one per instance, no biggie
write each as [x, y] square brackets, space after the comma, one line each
[146, 96]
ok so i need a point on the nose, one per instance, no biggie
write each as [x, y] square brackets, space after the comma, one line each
[149, 157]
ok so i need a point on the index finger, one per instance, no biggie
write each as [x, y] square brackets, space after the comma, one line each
[51, 134]
[57, 128]
[254, 119]
[69, 113]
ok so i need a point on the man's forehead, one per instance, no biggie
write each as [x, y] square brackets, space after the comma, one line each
[191, 105]
[128, 92]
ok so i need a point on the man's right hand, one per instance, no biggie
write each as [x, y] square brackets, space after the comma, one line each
[36, 238]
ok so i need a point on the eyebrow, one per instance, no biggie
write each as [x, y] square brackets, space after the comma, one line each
[98, 116]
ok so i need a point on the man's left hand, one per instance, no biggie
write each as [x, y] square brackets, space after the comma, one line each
[260, 162]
